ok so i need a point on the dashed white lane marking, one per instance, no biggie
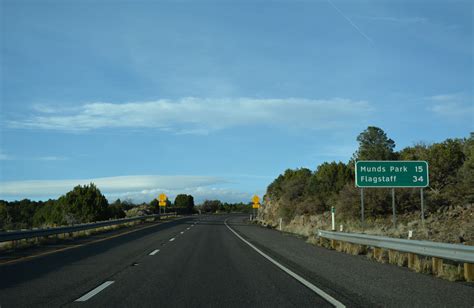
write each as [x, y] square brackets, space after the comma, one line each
[182, 232]
[172, 239]
[90, 294]
[305, 282]
[154, 252]
[188, 228]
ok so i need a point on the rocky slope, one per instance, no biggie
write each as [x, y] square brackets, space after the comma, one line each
[448, 224]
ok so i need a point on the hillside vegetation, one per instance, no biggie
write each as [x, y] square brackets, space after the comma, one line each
[303, 197]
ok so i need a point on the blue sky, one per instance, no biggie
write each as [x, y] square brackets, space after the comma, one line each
[216, 98]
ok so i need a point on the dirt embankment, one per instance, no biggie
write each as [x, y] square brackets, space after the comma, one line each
[448, 225]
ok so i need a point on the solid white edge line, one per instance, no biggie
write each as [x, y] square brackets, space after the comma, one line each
[154, 252]
[305, 282]
[171, 239]
[90, 294]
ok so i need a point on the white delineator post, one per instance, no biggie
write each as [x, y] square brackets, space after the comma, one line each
[280, 223]
[333, 219]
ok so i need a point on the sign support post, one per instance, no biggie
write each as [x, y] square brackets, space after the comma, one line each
[422, 208]
[362, 207]
[394, 219]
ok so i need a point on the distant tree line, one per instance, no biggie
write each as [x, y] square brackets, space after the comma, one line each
[451, 172]
[213, 206]
[183, 204]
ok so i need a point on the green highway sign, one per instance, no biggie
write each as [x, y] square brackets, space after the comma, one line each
[387, 173]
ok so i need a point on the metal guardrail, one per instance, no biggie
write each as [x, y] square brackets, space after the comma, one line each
[25, 234]
[456, 252]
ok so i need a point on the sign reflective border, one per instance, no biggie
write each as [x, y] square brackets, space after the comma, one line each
[387, 173]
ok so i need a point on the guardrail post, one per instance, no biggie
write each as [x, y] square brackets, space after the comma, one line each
[391, 256]
[437, 265]
[411, 260]
[377, 253]
[469, 271]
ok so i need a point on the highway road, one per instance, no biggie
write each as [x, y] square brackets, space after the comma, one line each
[217, 261]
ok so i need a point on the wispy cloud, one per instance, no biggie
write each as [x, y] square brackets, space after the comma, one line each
[51, 158]
[4, 156]
[139, 187]
[200, 115]
[447, 97]
[452, 105]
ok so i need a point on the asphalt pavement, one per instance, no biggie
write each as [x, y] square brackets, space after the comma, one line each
[217, 261]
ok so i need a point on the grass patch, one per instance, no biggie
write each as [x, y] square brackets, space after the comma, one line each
[452, 272]
[423, 265]
[397, 258]
[353, 249]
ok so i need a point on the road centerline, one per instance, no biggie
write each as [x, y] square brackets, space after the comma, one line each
[94, 292]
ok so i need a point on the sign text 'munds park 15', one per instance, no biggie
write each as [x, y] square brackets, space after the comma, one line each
[371, 173]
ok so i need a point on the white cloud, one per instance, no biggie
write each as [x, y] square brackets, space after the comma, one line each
[51, 158]
[455, 105]
[4, 156]
[138, 188]
[454, 109]
[200, 115]
[446, 97]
